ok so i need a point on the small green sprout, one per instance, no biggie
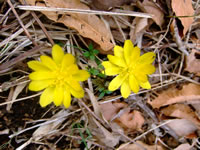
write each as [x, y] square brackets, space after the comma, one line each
[90, 54]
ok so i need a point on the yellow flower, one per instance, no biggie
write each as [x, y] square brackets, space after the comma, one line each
[59, 77]
[131, 69]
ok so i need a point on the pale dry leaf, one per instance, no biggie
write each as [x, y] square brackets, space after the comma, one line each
[140, 24]
[109, 110]
[182, 127]
[184, 8]
[189, 92]
[17, 91]
[89, 26]
[95, 104]
[193, 62]
[131, 120]
[108, 138]
[49, 127]
[185, 146]
[181, 111]
[151, 8]
[139, 146]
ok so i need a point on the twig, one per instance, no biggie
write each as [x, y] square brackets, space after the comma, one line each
[21, 23]
[84, 11]
[20, 57]
[43, 28]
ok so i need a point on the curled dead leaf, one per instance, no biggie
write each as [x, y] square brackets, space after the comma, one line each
[89, 26]
[184, 8]
[189, 92]
[138, 146]
[151, 8]
[182, 127]
[131, 121]
[193, 62]
[181, 111]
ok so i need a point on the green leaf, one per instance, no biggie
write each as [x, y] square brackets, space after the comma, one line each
[101, 95]
[95, 51]
[90, 47]
[92, 57]
[86, 54]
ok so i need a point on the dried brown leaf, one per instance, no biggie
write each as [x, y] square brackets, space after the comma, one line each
[182, 127]
[140, 145]
[141, 24]
[151, 8]
[189, 92]
[181, 111]
[193, 62]
[109, 110]
[89, 26]
[184, 147]
[131, 120]
[184, 8]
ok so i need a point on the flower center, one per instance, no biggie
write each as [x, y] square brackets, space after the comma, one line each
[61, 77]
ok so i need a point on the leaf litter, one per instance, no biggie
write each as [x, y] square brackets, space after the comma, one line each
[150, 119]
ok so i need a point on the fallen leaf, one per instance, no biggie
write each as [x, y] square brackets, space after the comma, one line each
[104, 136]
[181, 111]
[184, 8]
[95, 104]
[189, 92]
[110, 110]
[89, 26]
[17, 91]
[151, 8]
[182, 127]
[139, 146]
[49, 127]
[121, 114]
[140, 24]
[193, 62]
[184, 147]
[131, 121]
[106, 4]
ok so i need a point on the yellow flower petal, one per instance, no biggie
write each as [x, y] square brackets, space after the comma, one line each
[58, 95]
[147, 58]
[68, 60]
[141, 77]
[57, 53]
[125, 89]
[74, 84]
[134, 85]
[116, 82]
[145, 69]
[77, 94]
[119, 51]
[37, 66]
[111, 69]
[48, 62]
[47, 97]
[42, 75]
[73, 69]
[128, 49]
[145, 85]
[39, 85]
[117, 60]
[81, 75]
[67, 98]
[135, 55]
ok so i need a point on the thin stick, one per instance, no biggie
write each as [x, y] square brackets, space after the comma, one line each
[84, 11]
[21, 23]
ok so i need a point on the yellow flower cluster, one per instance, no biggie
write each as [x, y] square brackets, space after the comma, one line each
[132, 70]
[59, 76]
